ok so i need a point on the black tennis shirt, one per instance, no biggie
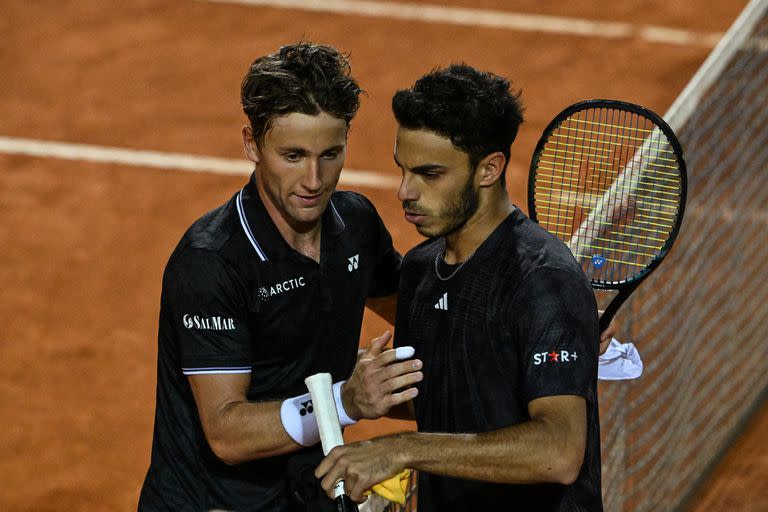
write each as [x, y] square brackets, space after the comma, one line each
[238, 299]
[517, 322]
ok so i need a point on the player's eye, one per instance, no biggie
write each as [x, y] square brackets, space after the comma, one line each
[292, 157]
[331, 155]
[428, 172]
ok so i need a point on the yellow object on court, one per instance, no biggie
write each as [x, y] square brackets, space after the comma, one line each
[393, 489]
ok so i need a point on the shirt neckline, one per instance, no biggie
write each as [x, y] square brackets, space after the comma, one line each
[265, 238]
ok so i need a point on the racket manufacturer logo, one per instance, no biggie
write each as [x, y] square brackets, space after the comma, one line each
[562, 356]
[306, 408]
[208, 323]
[598, 261]
[265, 293]
[354, 262]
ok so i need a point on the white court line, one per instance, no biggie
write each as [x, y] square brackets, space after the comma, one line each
[495, 19]
[162, 160]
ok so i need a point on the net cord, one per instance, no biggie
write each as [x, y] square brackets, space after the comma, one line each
[734, 40]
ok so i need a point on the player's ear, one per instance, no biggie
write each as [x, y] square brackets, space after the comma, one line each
[249, 145]
[490, 169]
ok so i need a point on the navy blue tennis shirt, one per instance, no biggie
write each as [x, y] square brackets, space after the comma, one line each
[238, 299]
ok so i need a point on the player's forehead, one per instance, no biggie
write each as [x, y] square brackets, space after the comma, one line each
[306, 131]
[419, 147]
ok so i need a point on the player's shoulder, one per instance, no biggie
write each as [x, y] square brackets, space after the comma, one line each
[201, 271]
[545, 249]
[422, 254]
[357, 213]
[418, 259]
[535, 266]
[205, 242]
[352, 203]
[417, 264]
[212, 230]
[524, 248]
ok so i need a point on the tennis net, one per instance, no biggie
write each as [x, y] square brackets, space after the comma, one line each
[699, 319]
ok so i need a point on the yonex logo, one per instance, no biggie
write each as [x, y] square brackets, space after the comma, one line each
[353, 262]
[598, 261]
[306, 408]
[443, 302]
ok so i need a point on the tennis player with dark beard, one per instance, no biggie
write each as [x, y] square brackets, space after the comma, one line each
[499, 311]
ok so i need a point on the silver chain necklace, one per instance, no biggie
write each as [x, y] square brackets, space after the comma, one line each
[440, 254]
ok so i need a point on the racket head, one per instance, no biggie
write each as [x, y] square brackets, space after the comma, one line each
[609, 179]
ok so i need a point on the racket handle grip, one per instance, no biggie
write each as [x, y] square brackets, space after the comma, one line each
[324, 406]
[345, 504]
[327, 417]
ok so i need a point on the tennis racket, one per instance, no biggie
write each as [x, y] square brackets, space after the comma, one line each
[324, 406]
[608, 178]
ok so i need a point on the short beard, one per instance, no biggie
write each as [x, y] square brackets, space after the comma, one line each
[457, 214]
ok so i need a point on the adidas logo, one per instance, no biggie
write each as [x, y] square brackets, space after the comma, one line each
[353, 262]
[443, 302]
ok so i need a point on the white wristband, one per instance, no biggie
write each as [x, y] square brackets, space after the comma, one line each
[344, 419]
[298, 419]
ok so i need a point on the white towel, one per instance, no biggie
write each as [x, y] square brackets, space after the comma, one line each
[620, 362]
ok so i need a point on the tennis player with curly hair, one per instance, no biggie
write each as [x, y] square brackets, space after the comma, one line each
[499, 311]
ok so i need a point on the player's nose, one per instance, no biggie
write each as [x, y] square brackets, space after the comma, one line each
[407, 190]
[310, 179]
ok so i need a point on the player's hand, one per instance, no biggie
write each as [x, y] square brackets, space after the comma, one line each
[361, 465]
[378, 381]
[607, 334]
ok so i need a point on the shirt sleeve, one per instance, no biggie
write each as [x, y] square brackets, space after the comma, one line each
[557, 326]
[404, 300]
[208, 315]
[386, 273]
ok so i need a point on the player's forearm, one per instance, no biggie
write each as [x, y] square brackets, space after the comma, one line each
[530, 452]
[243, 431]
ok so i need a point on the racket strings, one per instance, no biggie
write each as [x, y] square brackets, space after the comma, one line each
[608, 184]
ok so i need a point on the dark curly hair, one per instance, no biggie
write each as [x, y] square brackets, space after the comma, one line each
[302, 77]
[475, 109]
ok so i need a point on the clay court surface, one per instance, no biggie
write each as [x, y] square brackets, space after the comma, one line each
[83, 245]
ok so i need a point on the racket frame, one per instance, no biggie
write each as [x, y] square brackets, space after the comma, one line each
[627, 286]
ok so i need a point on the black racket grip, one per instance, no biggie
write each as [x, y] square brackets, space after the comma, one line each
[345, 504]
